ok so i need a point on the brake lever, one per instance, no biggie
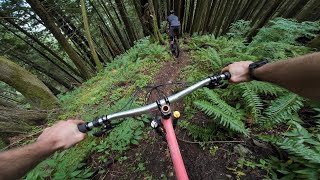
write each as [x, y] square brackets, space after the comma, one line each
[221, 85]
[106, 128]
[101, 133]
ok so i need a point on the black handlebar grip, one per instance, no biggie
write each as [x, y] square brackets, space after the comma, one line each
[83, 128]
[228, 75]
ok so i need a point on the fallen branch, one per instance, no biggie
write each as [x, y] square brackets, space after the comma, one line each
[195, 142]
[16, 142]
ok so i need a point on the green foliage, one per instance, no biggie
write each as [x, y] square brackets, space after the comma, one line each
[304, 151]
[277, 40]
[119, 139]
[202, 134]
[66, 164]
[222, 113]
[108, 92]
[282, 109]
[286, 31]
[252, 101]
[262, 105]
[239, 29]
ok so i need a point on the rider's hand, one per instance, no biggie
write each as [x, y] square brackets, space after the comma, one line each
[239, 71]
[62, 135]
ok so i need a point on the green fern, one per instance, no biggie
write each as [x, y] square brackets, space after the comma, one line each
[264, 88]
[197, 132]
[303, 148]
[282, 109]
[252, 100]
[225, 115]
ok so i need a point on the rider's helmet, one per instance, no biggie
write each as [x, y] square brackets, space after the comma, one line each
[172, 11]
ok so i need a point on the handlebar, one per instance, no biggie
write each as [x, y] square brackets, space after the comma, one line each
[137, 111]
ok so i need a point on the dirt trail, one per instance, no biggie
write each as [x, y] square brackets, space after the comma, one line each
[153, 156]
[169, 73]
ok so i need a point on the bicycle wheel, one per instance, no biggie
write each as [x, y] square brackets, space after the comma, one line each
[176, 49]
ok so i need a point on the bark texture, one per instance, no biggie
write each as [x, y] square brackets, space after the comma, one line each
[37, 93]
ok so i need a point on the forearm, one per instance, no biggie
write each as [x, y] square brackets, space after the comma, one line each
[300, 75]
[17, 162]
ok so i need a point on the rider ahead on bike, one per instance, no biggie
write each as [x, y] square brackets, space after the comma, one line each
[174, 26]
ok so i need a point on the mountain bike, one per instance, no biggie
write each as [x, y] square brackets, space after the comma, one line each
[165, 120]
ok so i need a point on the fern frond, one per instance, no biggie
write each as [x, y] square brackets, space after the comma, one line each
[225, 115]
[197, 132]
[295, 147]
[215, 98]
[252, 100]
[264, 88]
[282, 109]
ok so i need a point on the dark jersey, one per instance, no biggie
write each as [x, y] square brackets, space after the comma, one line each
[173, 20]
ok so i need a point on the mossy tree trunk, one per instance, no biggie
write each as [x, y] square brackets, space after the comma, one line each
[154, 24]
[123, 44]
[35, 39]
[151, 20]
[88, 34]
[54, 29]
[138, 8]
[315, 43]
[37, 93]
[13, 120]
[127, 22]
[60, 80]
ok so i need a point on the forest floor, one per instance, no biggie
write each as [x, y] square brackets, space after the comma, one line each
[151, 158]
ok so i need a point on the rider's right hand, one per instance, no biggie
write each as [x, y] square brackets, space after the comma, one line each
[239, 71]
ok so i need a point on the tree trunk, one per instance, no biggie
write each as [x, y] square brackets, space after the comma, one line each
[210, 9]
[113, 49]
[6, 103]
[214, 15]
[27, 84]
[13, 120]
[35, 39]
[245, 4]
[296, 10]
[191, 16]
[307, 10]
[69, 29]
[138, 8]
[230, 16]
[151, 23]
[222, 13]
[88, 34]
[272, 4]
[114, 39]
[49, 22]
[259, 12]
[39, 68]
[200, 6]
[281, 9]
[123, 40]
[315, 43]
[251, 9]
[127, 22]
[45, 57]
[289, 9]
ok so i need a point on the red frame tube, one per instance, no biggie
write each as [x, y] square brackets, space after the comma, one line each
[176, 157]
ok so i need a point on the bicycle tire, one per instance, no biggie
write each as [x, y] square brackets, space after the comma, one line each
[176, 49]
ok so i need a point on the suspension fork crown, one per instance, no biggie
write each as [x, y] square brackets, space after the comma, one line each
[164, 109]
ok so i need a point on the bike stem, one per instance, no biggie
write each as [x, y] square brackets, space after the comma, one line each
[175, 154]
